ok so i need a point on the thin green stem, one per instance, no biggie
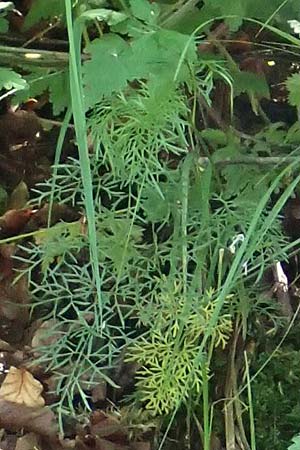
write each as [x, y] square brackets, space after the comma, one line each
[78, 109]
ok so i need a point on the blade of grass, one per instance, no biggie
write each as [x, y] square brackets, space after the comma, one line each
[59, 146]
[233, 274]
[78, 110]
[251, 411]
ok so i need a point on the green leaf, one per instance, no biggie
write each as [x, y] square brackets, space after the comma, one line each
[293, 134]
[114, 62]
[42, 9]
[226, 153]
[109, 69]
[105, 15]
[59, 92]
[56, 83]
[117, 245]
[156, 208]
[216, 137]
[293, 87]
[11, 80]
[144, 10]
[189, 22]
[3, 25]
[159, 53]
[296, 443]
[229, 8]
[251, 84]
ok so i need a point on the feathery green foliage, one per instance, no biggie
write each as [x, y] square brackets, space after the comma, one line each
[169, 254]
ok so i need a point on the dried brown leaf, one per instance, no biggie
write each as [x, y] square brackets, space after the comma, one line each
[8, 441]
[99, 391]
[28, 442]
[140, 446]
[14, 417]
[21, 387]
[13, 222]
[98, 444]
[5, 346]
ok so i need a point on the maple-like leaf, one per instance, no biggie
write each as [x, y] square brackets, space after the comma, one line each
[114, 62]
[19, 386]
[11, 80]
[293, 86]
[144, 10]
[55, 83]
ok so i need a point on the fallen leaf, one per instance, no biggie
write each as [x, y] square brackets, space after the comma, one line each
[21, 387]
[28, 442]
[13, 297]
[19, 196]
[8, 441]
[15, 417]
[98, 444]
[59, 213]
[14, 221]
[7, 252]
[5, 346]
[107, 426]
[140, 446]
[13, 311]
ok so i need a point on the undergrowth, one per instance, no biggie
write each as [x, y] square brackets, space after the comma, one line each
[168, 258]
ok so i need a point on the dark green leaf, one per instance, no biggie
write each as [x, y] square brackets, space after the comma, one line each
[250, 83]
[42, 9]
[3, 25]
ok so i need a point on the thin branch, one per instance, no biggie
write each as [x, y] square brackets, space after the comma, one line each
[43, 43]
[14, 56]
